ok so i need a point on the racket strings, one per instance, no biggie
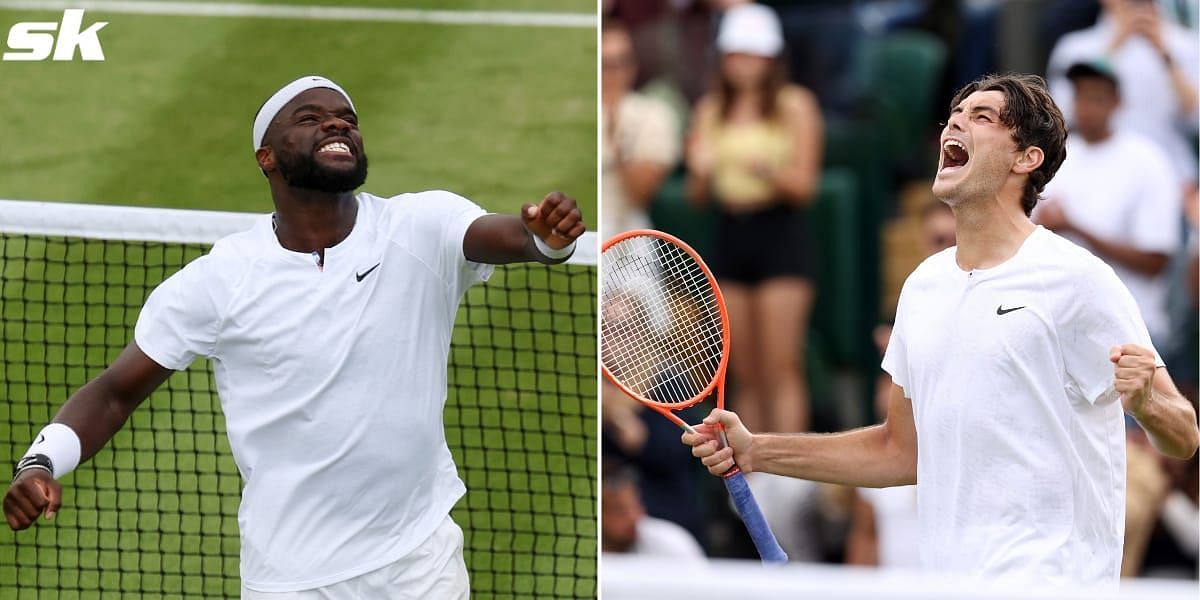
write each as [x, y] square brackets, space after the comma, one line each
[662, 333]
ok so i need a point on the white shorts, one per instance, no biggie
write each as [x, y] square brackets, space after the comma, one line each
[434, 570]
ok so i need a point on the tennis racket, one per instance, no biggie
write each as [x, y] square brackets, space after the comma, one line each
[664, 340]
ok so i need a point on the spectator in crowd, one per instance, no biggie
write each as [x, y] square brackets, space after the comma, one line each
[625, 527]
[641, 137]
[1157, 62]
[884, 528]
[937, 229]
[1115, 194]
[634, 435]
[1183, 302]
[1146, 488]
[755, 148]
[1162, 521]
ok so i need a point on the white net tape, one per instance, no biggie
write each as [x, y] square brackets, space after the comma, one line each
[662, 335]
[160, 224]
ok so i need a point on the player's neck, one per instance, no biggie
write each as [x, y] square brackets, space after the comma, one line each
[310, 221]
[989, 231]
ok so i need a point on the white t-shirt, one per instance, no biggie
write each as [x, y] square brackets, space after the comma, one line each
[646, 131]
[659, 537]
[332, 382]
[1021, 441]
[1123, 190]
[1148, 102]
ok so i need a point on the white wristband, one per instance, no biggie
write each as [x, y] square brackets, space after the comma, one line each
[551, 253]
[60, 443]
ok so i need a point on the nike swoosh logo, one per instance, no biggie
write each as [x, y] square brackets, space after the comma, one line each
[1000, 310]
[360, 276]
[41, 438]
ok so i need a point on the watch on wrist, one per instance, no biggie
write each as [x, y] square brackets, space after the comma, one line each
[34, 461]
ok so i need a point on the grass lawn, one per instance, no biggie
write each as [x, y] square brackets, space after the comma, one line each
[498, 114]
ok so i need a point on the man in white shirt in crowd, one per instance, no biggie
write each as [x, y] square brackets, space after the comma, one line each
[1116, 195]
[1157, 63]
[1013, 356]
[625, 527]
[641, 137]
[328, 324]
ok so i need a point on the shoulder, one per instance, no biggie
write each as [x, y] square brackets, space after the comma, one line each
[641, 112]
[232, 256]
[1065, 263]
[1074, 45]
[931, 270]
[643, 104]
[428, 199]
[1141, 148]
[422, 206]
[707, 108]
[660, 536]
[798, 100]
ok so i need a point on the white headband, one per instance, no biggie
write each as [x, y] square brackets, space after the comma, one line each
[285, 94]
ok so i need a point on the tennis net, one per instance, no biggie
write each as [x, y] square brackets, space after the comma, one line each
[154, 513]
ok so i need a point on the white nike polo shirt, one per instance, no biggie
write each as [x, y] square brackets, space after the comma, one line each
[332, 381]
[1020, 435]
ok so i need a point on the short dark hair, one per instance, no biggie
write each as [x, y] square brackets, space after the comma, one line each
[615, 474]
[1096, 69]
[1035, 120]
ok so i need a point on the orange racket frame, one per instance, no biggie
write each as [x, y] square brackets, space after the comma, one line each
[735, 482]
[667, 409]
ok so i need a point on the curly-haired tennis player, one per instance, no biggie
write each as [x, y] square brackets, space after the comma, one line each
[1012, 358]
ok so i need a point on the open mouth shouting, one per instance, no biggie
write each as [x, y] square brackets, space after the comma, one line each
[954, 156]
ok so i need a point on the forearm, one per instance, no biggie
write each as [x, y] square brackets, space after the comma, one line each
[867, 457]
[1146, 263]
[1185, 93]
[697, 188]
[1169, 422]
[95, 413]
[501, 239]
[100, 408]
[797, 186]
[544, 233]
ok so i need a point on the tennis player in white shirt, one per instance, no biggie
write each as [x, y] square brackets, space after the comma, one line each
[1012, 359]
[329, 327]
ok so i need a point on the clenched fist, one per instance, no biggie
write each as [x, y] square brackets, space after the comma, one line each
[1133, 371]
[34, 492]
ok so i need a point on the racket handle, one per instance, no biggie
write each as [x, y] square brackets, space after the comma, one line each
[756, 524]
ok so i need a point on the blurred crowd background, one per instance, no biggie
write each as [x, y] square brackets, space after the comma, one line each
[793, 144]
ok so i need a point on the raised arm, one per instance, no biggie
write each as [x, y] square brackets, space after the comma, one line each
[877, 456]
[544, 233]
[93, 415]
[1149, 395]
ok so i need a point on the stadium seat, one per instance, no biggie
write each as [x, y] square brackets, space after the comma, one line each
[898, 75]
[834, 245]
[671, 212]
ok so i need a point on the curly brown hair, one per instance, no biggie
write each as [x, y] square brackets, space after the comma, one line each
[1035, 120]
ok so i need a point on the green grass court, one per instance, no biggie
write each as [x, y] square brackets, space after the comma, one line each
[498, 114]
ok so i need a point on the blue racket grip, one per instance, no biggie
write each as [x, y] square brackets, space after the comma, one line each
[756, 524]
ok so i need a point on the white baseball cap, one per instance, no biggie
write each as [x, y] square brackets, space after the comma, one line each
[276, 102]
[750, 29]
